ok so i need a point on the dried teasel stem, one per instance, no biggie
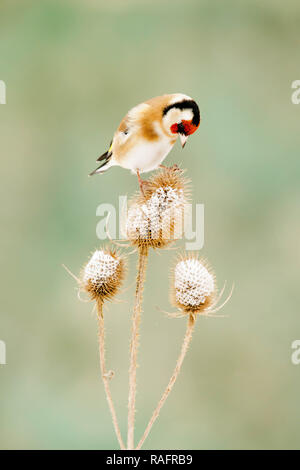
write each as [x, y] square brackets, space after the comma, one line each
[185, 345]
[104, 374]
[136, 318]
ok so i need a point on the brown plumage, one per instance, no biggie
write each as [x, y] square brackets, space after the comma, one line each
[148, 132]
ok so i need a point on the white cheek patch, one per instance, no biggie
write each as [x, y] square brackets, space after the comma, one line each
[176, 115]
[171, 117]
[186, 115]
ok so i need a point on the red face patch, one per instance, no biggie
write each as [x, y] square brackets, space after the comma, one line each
[189, 127]
[174, 128]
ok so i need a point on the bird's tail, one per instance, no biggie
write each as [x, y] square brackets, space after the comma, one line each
[106, 163]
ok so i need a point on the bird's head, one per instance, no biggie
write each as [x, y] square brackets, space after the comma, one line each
[181, 116]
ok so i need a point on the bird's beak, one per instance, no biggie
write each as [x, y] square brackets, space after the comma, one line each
[183, 139]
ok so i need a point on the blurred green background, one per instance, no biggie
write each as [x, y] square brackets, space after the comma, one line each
[72, 70]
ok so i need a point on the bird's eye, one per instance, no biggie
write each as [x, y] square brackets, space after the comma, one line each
[126, 132]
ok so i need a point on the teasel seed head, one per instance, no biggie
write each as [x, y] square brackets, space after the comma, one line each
[193, 285]
[103, 274]
[156, 218]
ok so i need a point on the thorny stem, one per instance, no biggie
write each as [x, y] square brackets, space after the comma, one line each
[136, 318]
[104, 374]
[184, 348]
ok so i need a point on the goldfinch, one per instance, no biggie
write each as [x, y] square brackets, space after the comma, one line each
[148, 132]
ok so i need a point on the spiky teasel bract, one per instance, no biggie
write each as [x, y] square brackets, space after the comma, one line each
[193, 288]
[155, 218]
[103, 274]
[166, 177]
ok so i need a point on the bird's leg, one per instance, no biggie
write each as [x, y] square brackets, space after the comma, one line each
[141, 182]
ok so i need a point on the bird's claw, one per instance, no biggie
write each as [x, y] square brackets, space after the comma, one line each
[142, 185]
[174, 167]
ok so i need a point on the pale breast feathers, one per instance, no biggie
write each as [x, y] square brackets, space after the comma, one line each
[141, 123]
